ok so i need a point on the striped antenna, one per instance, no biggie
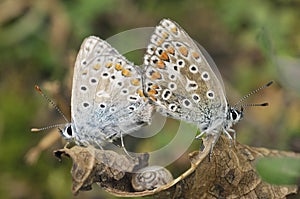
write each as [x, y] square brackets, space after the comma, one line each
[251, 93]
[39, 90]
[47, 127]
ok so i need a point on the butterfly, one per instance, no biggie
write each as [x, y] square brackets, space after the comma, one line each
[107, 96]
[182, 81]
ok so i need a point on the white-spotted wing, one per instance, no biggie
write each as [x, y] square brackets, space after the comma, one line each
[178, 79]
[107, 99]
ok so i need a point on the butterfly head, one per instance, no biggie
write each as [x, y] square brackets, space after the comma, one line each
[234, 115]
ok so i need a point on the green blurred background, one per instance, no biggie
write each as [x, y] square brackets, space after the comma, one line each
[251, 44]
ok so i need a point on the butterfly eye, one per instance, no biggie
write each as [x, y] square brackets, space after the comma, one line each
[67, 133]
[233, 115]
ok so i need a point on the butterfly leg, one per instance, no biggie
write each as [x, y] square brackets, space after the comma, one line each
[198, 137]
[98, 143]
[228, 135]
[234, 135]
[123, 146]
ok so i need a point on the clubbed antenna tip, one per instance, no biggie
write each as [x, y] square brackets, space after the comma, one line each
[265, 104]
[269, 84]
[253, 92]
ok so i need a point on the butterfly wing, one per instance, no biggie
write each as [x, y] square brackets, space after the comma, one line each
[107, 98]
[179, 79]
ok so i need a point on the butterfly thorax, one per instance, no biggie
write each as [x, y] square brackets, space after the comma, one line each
[215, 126]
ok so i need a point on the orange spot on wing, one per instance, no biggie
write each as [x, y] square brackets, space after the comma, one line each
[97, 66]
[174, 30]
[155, 75]
[108, 65]
[155, 86]
[141, 93]
[152, 92]
[183, 50]
[160, 64]
[195, 55]
[135, 82]
[165, 35]
[153, 98]
[84, 72]
[118, 67]
[171, 50]
[164, 56]
[159, 42]
[126, 73]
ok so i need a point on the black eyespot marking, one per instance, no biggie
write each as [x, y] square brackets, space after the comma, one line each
[166, 94]
[175, 68]
[132, 108]
[160, 51]
[178, 44]
[85, 104]
[84, 62]
[166, 45]
[196, 97]
[172, 85]
[193, 69]
[186, 102]
[192, 85]
[105, 74]
[113, 77]
[210, 94]
[93, 80]
[133, 98]
[172, 107]
[102, 106]
[205, 76]
[120, 83]
[83, 88]
[172, 77]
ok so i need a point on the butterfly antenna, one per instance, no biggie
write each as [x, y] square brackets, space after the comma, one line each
[47, 127]
[38, 89]
[261, 104]
[251, 93]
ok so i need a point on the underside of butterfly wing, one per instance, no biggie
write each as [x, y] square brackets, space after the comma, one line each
[107, 98]
[179, 80]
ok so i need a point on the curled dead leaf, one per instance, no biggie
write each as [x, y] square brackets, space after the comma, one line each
[104, 167]
[229, 173]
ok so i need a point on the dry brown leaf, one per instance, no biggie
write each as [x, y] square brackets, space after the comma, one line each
[104, 167]
[230, 173]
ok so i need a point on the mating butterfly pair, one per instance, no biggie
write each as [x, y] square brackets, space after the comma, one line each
[112, 97]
